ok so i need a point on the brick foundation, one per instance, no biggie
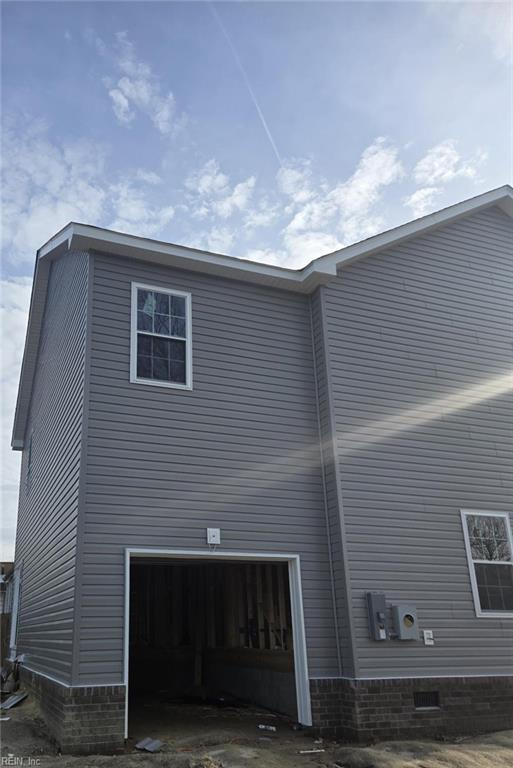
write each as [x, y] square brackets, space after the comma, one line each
[91, 720]
[366, 710]
[80, 720]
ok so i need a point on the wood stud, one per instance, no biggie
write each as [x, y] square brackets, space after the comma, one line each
[211, 605]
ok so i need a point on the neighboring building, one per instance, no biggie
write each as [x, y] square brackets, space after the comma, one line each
[343, 429]
[6, 590]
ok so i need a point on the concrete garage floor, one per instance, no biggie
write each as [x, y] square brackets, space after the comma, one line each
[207, 737]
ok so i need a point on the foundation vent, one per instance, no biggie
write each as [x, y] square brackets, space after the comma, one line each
[426, 699]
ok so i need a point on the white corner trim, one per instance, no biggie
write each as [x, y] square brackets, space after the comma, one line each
[296, 604]
[472, 573]
[14, 611]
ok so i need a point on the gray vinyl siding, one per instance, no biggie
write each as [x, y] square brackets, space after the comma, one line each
[48, 508]
[427, 320]
[240, 451]
[332, 490]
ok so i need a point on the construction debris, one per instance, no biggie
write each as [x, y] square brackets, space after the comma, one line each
[13, 700]
[310, 751]
[267, 727]
[149, 745]
[4, 719]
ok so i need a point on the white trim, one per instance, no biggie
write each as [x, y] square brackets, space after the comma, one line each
[502, 196]
[417, 677]
[83, 236]
[470, 560]
[134, 379]
[14, 612]
[304, 709]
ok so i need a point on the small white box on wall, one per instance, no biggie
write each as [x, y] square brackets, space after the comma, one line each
[213, 535]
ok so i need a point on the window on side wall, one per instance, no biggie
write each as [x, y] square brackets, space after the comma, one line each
[490, 558]
[161, 352]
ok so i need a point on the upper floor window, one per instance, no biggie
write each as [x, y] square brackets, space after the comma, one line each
[161, 337]
[490, 556]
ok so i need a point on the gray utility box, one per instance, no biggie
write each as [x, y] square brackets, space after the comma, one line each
[406, 623]
[377, 610]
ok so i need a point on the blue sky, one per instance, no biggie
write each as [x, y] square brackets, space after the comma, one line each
[272, 131]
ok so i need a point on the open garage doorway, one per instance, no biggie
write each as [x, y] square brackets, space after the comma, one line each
[213, 626]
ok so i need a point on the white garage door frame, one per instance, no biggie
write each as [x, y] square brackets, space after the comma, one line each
[304, 709]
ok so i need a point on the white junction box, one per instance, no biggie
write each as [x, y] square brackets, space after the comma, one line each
[429, 638]
[213, 535]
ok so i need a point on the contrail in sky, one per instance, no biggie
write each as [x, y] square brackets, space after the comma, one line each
[246, 79]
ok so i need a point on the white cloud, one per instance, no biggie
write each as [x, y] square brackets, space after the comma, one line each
[422, 201]
[150, 177]
[208, 180]
[46, 185]
[220, 239]
[210, 192]
[121, 106]
[135, 214]
[345, 209]
[492, 21]
[237, 200]
[378, 167]
[262, 214]
[443, 163]
[295, 181]
[138, 88]
[14, 303]
[305, 246]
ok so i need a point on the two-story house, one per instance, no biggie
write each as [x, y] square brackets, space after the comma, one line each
[291, 486]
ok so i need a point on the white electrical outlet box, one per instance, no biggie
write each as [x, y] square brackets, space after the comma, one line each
[428, 637]
[213, 535]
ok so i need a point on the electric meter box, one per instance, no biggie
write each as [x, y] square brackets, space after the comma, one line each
[377, 611]
[406, 623]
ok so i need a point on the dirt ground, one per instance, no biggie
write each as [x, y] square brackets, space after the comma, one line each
[209, 737]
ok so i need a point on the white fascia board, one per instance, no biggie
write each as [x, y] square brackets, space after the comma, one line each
[317, 272]
[30, 353]
[84, 237]
[503, 197]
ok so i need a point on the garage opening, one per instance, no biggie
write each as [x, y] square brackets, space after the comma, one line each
[203, 631]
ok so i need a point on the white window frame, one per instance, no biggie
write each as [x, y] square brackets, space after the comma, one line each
[475, 591]
[134, 379]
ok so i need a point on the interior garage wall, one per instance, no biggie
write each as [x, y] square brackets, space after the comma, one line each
[211, 629]
[264, 681]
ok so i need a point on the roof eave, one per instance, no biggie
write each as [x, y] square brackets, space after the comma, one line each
[83, 237]
[501, 197]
